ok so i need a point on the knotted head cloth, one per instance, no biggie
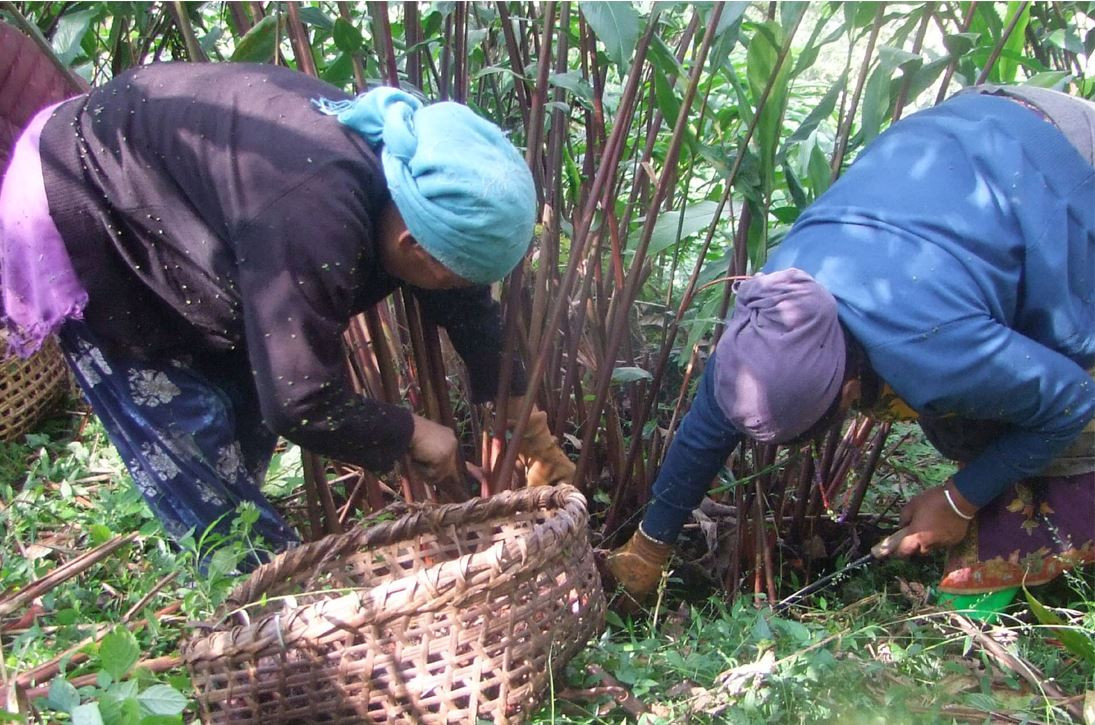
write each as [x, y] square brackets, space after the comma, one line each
[780, 362]
[463, 190]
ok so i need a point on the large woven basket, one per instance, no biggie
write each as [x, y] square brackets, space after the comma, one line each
[28, 388]
[448, 614]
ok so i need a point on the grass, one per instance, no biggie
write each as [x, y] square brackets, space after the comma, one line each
[867, 650]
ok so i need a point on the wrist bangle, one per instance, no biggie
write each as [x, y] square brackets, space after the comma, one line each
[958, 511]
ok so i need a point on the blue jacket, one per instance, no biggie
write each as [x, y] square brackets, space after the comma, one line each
[960, 247]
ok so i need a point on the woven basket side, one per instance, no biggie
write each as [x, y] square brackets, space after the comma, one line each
[29, 388]
[448, 642]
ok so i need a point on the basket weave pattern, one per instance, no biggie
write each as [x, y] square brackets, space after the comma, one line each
[448, 614]
[29, 387]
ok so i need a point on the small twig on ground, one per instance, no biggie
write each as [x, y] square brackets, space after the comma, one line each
[1018, 665]
[633, 705]
[148, 597]
[74, 656]
[63, 573]
[155, 665]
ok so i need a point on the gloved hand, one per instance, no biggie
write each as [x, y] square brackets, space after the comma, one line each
[546, 463]
[932, 523]
[433, 449]
[637, 567]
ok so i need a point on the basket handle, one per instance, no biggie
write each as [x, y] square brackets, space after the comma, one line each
[421, 518]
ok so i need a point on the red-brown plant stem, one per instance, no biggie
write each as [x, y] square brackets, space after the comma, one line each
[298, 38]
[619, 322]
[355, 58]
[190, 40]
[411, 31]
[949, 72]
[383, 38]
[643, 412]
[846, 125]
[878, 443]
[996, 50]
[918, 45]
[516, 61]
[613, 149]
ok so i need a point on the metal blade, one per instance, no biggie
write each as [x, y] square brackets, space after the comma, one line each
[822, 582]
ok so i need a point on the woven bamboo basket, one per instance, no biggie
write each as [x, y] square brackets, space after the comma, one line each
[29, 388]
[448, 614]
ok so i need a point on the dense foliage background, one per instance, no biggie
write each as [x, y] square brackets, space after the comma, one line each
[673, 146]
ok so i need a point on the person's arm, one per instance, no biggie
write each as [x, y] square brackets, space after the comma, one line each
[297, 264]
[979, 369]
[699, 450]
[473, 321]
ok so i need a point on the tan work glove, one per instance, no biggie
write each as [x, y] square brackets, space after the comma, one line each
[546, 463]
[637, 567]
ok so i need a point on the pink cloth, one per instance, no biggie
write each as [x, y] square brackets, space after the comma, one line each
[39, 289]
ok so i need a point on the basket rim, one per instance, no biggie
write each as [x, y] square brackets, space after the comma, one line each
[381, 603]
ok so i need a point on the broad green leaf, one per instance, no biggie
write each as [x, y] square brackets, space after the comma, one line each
[622, 375]
[119, 652]
[762, 56]
[696, 217]
[668, 102]
[958, 44]
[663, 59]
[315, 17]
[1074, 640]
[87, 715]
[876, 101]
[819, 113]
[257, 45]
[347, 37]
[1005, 70]
[339, 71]
[573, 82]
[70, 32]
[1055, 79]
[162, 700]
[62, 695]
[616, 24]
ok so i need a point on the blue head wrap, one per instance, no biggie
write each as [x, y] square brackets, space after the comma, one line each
[463, 190]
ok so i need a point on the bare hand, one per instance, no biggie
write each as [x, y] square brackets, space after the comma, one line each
[433, 449]
[931, 522]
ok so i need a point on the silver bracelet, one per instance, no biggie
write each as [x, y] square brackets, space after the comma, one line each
[947, 493]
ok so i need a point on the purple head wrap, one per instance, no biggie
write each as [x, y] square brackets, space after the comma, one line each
[780, 361]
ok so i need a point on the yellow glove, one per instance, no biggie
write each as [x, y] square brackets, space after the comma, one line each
[637, 567]
[546, 462]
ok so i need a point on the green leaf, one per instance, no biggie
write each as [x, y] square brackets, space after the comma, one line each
[623, 375]
[1055, 79]
[257, 46]
[761, 58]
[315, 17]
[70, 32]
[62, 695]
[573, 82]
[1074, 640]
[100, 534]
[119, 652]
[819, 113]
[616, 24]
[347, 37]
[697, 217]
[87, 715]
[162, 700]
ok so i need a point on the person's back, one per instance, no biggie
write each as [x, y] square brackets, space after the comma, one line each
[166, 180]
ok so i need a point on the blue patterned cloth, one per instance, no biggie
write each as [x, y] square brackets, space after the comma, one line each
[189, 431]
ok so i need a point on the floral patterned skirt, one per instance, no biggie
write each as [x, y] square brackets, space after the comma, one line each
[1027, 536]
[189, 430]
